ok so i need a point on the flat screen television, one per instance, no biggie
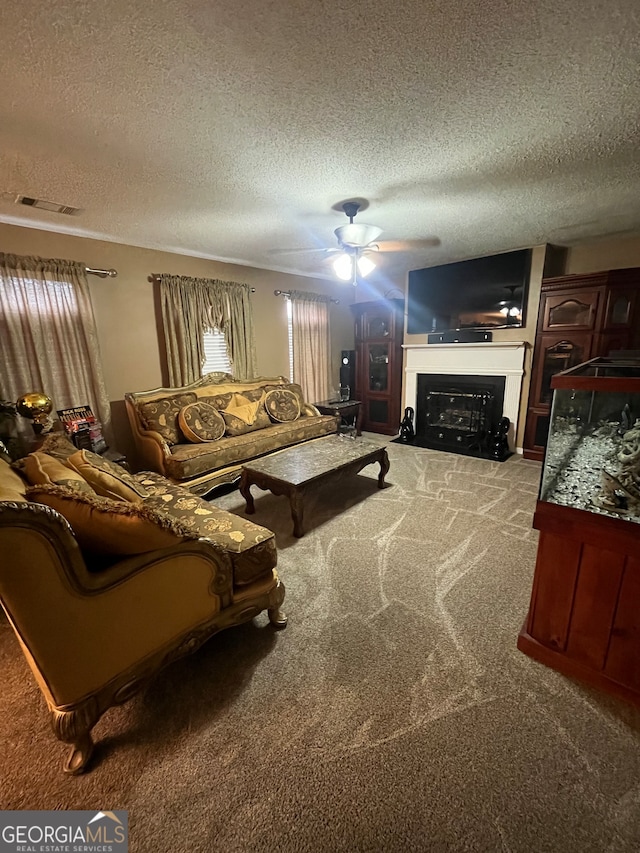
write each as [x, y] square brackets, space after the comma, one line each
[482, 293]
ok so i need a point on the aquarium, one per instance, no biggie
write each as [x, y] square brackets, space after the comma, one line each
[592, 458]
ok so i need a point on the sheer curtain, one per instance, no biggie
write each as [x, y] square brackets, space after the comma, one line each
[311, 344]
[190, 306]
[48, 338]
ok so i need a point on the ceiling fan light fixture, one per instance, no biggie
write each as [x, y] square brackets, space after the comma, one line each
[357, 234]
[343, 266]
[365, 265]
[510, 311]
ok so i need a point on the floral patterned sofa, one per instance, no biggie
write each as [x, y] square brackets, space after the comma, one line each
[199, 435]
[107, 576]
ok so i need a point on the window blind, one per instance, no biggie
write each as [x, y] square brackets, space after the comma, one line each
[216, 357]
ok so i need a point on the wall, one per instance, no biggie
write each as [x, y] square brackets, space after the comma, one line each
[125, 316]
[613, 254]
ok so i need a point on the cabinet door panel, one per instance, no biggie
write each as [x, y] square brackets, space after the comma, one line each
[378, 361]
[620, 308]
[575, 311]
[536, 431]
[555, 580]
[623, 660]
[612, 341]
[374, 324]
[553, 354]
[378, 324]
[594, 605]
[376, 413]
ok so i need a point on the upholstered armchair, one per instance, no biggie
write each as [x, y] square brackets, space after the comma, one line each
[94, 636]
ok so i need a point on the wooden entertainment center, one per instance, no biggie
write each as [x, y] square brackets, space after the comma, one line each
[579, 317]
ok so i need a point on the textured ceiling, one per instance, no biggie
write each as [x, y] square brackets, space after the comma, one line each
[232, 129]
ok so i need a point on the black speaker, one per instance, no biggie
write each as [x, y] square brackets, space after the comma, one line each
[348, 370]
[460, 336]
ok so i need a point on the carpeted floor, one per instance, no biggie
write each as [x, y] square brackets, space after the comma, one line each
[393, 714]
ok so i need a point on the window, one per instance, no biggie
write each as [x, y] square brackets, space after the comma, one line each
[216, 357]
[309, 331]
[48, 336]
[190, 308]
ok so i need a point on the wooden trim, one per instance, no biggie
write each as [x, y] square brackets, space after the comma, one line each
[556, 660]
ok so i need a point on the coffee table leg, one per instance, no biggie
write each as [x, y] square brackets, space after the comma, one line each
[297, 513]
[384, 468]
[245, 490]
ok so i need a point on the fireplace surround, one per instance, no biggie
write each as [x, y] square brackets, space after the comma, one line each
[464, 366]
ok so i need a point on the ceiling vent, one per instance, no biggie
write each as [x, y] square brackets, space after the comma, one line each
[52, 206]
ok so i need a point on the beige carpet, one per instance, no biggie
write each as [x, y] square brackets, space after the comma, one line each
[393, 714]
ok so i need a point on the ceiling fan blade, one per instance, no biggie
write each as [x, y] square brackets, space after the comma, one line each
[322, 250]
[407, 245]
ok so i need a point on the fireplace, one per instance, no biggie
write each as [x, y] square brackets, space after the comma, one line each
[462, 414]
[492, 368]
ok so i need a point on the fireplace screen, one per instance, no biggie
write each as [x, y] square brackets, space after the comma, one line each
[458, 413]
[464, 415]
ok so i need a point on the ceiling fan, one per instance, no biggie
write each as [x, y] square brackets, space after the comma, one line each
[357, 241]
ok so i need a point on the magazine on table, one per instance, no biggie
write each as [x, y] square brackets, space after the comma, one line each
[83, 428]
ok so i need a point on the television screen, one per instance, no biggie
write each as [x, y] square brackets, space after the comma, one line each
[482, 293]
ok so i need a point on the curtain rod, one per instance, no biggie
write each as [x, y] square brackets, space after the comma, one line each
[155, 278]
[102, 273]
[288, 293]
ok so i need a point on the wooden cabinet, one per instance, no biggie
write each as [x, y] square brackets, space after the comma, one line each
[379, 329]
[580, 317]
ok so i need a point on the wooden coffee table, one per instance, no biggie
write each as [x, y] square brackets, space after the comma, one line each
[295, 470]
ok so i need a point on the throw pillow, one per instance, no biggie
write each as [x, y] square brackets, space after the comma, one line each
[243, 408]
[162, 415]
[242, 415]
[12, 486]
[297, 390]
[218, 401]
[282, 405]
[58, 444]
[106, 478]
[201, 422]
[253, 394]
[41, 469]
[108, 526]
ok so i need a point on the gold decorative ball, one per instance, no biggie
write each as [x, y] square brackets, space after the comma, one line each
[35, 406]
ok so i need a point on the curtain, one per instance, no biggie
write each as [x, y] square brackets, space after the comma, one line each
[48, 337]
[311, 344]
[190, 306]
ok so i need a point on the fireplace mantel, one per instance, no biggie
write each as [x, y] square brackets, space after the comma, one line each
[500, 358]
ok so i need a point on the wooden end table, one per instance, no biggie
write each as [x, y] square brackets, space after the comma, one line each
[343, 409]
[295, 470]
